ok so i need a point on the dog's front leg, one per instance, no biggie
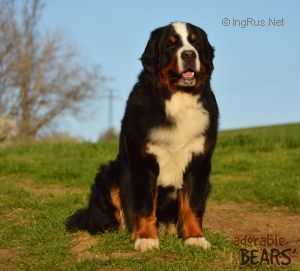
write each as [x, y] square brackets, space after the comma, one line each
[192, 200]
[145, 228]
[145, 231]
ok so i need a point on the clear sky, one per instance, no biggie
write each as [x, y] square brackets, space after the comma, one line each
[256, 78]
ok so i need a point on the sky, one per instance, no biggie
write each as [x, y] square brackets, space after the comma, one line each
[256, 78]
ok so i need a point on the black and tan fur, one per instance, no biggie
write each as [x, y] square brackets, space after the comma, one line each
[131, 192]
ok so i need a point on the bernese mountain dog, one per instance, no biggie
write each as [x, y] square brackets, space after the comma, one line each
[160, 176]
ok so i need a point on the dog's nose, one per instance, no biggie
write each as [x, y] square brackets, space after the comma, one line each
[188, 55]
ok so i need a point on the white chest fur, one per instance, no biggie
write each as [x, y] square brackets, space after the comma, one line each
[174, 146]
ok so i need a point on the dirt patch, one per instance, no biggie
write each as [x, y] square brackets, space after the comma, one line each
[236, 220]
[7, 259]
[80, 245]
[115, 269]
[16, 216]
[124, 255]
[48, 190]
[83, 241]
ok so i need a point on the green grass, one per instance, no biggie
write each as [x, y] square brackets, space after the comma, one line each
[41, 184]
[259, 165]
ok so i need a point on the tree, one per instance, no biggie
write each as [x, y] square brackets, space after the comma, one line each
[41, 76]
[6, 56]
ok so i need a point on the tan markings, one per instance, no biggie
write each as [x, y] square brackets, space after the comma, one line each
[168, 228]
[191, 225]
[172, 39]
[116, 201]
[171, 229]
[203, 78]
[164, 74]
[193, 37]
[145, 227]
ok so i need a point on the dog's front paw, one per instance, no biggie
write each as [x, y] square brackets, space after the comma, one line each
[198, 242]
[145, 244]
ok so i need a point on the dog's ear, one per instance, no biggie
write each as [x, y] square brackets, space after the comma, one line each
[208, 52]
[150, 56]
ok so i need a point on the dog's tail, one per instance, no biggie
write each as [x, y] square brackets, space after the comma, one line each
[103, 211]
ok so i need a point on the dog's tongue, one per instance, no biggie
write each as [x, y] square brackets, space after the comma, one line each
[188, 75]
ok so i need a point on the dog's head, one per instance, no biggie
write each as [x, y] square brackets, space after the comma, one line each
[180, 55]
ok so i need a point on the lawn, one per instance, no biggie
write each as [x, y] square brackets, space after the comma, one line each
[42, 183]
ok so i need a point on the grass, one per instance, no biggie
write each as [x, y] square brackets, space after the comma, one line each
[41, 184]
[259, 165]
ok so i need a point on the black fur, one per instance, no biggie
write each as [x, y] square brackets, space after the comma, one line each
[135, 171]
[98, 216]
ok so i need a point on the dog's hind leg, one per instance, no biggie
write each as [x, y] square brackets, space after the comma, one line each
[118, 213]
[104, 209]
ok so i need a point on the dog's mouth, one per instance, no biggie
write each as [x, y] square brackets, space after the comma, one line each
[187, 78]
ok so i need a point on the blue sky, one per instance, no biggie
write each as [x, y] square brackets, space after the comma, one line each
[256, 78]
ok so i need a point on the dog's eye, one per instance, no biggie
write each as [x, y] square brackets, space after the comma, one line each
[172, 40]
[192, 38]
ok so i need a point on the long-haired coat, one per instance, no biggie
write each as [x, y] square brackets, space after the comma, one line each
[169, 130]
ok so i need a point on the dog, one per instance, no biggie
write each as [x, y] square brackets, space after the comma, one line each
[160, 176]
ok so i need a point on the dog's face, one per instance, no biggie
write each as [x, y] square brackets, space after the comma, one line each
[180, 55]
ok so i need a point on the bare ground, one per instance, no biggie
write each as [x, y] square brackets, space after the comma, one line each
[83, 241]
[236, 220]
[15, 216]
[7, 259]
[49, 190]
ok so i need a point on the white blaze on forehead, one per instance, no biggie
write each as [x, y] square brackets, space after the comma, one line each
[182, 31]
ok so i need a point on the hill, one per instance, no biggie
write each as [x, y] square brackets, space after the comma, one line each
[256, 175]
